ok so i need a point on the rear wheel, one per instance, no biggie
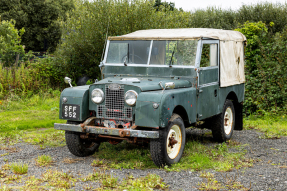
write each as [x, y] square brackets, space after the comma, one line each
[224, 123]
[80, 147]
[168, 148]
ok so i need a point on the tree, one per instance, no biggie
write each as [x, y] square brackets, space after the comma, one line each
[40, 18]
[10, 39]
[168, 6]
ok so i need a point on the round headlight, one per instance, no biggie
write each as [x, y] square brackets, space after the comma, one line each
[97, 95]
[131, 97]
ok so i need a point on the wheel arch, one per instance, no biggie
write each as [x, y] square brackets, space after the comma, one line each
[180, 110]
[232, 96]
[238, 110]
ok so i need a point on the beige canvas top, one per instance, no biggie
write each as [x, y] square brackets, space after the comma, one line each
[184, 33]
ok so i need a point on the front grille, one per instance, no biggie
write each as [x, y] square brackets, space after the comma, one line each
[119, 114]
[115, 98]
[114, 107]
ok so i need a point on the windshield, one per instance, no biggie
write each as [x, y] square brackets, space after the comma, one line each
[130, 52]
[164, 52]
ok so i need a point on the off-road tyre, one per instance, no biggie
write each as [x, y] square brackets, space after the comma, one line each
[158, 147]
[80, 147]
[220, 131]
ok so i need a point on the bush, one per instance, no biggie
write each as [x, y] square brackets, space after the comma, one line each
[266, 66]
[10, 43]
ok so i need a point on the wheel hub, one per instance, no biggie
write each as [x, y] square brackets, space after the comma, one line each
[173, 142]
[228, 120]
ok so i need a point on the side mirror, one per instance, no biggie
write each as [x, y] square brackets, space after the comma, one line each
[68, 81]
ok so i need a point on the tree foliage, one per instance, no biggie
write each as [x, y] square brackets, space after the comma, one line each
[40, 18]
[86, 29]
[10, 42]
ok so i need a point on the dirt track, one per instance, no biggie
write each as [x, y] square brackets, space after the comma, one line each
[269, 173]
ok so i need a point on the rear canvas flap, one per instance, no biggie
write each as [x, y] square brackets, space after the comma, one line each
[231, 63]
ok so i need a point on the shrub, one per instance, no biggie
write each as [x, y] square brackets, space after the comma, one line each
[10, 43]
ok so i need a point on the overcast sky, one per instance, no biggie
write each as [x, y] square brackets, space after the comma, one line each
[190, 5]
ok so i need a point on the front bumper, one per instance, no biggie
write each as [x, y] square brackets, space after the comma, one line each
[107, 131]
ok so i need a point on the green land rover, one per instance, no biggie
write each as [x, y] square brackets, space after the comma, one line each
[155, 83]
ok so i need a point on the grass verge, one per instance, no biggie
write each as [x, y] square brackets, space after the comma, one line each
[39, 111]
[272, 126]
[197, 156]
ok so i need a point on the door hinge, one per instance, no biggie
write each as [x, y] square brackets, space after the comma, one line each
[199, 91]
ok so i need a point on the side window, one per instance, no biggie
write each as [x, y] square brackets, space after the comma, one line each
[209, 55]
[180, 52]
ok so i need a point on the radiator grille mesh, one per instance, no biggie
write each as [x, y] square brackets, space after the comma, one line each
[114, 107]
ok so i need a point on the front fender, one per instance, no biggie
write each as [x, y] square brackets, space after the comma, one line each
[168, 100]
[77, 96]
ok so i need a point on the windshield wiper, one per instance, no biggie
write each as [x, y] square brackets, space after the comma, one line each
[125, 61]
[127, 57]
[172, 56]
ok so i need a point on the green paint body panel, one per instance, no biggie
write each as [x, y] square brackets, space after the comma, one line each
[238, 90]
[168, 100]
[208, 76]
[146, 84]
[207, 102]
[140, 71]
[79, 96]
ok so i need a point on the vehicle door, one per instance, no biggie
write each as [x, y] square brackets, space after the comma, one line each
[207, 79]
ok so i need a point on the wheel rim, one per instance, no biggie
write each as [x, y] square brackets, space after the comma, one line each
[173, 142]
[228, 121]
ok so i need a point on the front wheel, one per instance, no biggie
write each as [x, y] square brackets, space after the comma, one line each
[224, 123]
[80, 147]
[168, 148]
[77, 146]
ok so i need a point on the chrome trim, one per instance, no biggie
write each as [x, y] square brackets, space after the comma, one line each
[209, 84]
[208, 68]
[149, 54]
[134, 93]
[107, 131]
[145, 65]
[102, 93]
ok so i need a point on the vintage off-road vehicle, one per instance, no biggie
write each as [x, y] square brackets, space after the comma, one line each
[155, 83]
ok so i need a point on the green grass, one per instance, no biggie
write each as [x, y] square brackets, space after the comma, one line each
[39, 111]
[19, 168]
[44, 160]
[197, 156]
[272, 126]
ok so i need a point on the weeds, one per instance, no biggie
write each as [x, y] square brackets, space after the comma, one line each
[149, 182]
[273, 126]
[98, 163]
[197, 156]
[44, 160]
[58, 179]
[19, 168]
[211, 183]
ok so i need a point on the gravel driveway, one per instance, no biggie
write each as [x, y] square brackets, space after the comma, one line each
[268, 173]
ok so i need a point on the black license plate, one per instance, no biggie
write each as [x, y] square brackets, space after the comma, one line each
[71, 111]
